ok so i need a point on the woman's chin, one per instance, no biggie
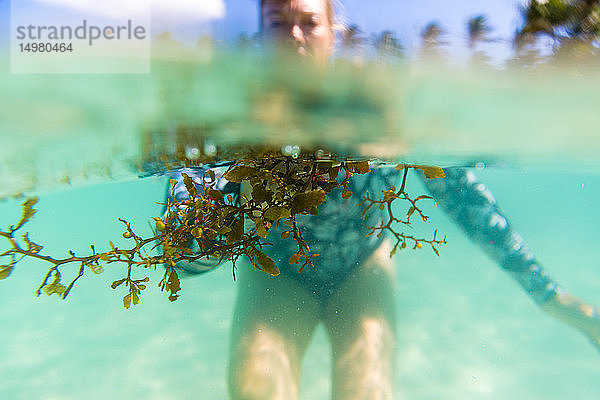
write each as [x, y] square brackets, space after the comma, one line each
[302, 52]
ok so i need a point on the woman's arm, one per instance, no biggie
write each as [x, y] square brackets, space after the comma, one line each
[472, 206]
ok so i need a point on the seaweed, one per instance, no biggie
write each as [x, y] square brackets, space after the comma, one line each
[276, 189]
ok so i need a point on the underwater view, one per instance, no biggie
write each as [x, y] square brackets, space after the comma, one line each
[465, 329]
[299, 199]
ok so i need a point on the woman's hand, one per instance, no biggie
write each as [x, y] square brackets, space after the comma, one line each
[574, 312]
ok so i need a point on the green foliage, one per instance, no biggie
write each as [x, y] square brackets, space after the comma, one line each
[388, 46]
[573, 26]
[5, 270]
[275, 189]
[477, 29]
[28, 213]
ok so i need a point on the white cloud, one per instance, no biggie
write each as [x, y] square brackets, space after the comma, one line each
[173, 11]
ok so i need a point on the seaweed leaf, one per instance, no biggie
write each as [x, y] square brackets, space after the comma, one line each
[346, 193]
[171, 283]
[215, 195]
[275, 213]
[28, 213]
[359, 167]
[431, 172]
[127, 300]
[117, 283]
[55, 287]
[421, 197]
[260, 228]
[295, 258]
[5, 270]
[189, 185]
[239, 173]
[307, 202]
[32, 247]
[237, 231]
[266, 263]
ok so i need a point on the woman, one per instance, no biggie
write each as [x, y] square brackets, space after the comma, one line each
[351, 291]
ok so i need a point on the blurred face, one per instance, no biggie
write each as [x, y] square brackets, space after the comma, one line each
[303, 24]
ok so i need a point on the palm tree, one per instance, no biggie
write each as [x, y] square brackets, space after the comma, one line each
[352, 37]
[478, 30]
[528, 53]
[352, 43]
[432, 33]
[431, 43]
[559, 18]
[573, 26]
[388, 46]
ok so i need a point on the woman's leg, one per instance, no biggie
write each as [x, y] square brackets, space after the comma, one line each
[273, 321]
[361, 321]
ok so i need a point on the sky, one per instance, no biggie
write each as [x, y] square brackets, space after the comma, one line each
[226, 19]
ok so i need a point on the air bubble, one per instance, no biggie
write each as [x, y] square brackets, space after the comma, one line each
[321, 154]
[291, 150]
[295, 151]
[210, 149]
[192, 153]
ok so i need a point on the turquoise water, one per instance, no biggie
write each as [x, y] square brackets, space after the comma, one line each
[465, 329]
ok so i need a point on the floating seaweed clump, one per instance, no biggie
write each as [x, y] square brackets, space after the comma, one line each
[276, 189]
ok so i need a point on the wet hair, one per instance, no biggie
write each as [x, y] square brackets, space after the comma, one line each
[329, 4]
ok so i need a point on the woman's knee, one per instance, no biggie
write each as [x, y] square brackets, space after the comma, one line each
[263, 366]
[364, 364]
